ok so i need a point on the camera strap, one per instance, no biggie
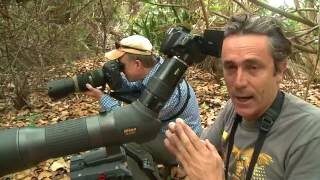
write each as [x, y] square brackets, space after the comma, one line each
[266, 122]
[184, 105]
[127, 96]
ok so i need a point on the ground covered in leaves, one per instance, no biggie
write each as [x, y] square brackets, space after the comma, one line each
[210, 90]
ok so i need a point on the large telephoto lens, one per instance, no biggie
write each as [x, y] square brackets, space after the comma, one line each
[95, 78]
[62, 88]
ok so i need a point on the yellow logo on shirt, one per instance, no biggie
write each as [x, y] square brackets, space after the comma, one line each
[225, 136]
[242, 161]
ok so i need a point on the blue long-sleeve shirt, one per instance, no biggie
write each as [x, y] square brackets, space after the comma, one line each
[191, 114]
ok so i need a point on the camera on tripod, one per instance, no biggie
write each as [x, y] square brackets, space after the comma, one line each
[24, 147]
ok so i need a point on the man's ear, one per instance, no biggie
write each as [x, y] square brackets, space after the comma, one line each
[138, 63]
[283, 66]
[282, 69]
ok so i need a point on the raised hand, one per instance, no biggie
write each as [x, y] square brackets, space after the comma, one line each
[199, 158]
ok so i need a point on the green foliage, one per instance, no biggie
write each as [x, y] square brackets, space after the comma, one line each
[290, 25]
[153, 21]
[216, 7]
[30, 118]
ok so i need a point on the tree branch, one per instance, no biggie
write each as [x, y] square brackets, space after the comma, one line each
[80, 10]
[5, 15]
[167, 5]
[305, 9]
[308, 42]
[220, 15]
[297, 4]
[283, 13]
[313, 73]
[103, 25]
[205, 13]
[304, 49]
[307, 32]
[242, 6]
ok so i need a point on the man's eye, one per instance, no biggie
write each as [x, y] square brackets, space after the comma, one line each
[229, 67]
[253, 67]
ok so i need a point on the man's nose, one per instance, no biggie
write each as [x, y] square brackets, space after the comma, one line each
[241, 79]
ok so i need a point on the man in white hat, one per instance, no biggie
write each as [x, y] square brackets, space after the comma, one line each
[135, 53]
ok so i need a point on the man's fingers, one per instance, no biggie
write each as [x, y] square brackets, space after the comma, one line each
[171, 126]
[170, 147]
[96, 93]
[210, 146]
[89, 86]
[191, 136]
[185, 140]
[173, 150]
[177, 146]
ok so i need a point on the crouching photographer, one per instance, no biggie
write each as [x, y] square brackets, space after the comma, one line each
[139, 64]
[142, 121]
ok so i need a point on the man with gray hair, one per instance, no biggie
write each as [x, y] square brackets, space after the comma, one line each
[262, 132]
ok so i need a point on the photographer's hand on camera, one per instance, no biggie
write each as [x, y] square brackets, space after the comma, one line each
[94, 92]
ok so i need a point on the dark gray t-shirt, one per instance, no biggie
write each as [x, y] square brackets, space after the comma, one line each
[290, 151]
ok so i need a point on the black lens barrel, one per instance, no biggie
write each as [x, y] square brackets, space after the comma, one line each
[95, 78]
[62, 88]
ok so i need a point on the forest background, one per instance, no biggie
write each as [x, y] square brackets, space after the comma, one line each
[43, 40]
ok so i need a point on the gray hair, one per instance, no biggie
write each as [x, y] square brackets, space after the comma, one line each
[280, 46]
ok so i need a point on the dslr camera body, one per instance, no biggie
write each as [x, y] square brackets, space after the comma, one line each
[192, 49]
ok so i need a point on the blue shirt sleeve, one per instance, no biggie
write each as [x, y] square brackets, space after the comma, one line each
[126, 85]
[190, 114]
[108, 103]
